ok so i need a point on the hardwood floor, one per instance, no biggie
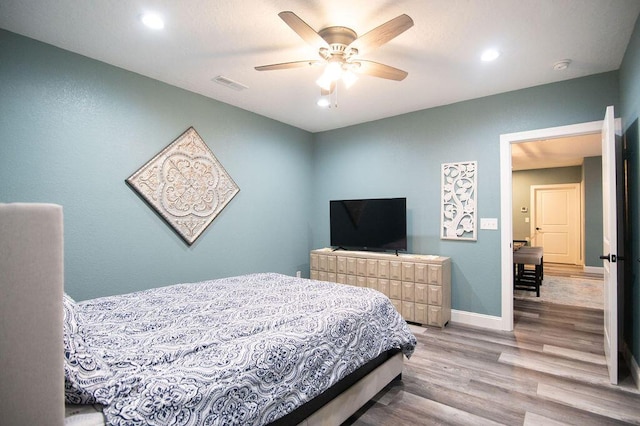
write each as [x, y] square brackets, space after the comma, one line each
[549, 371]
[574, 271]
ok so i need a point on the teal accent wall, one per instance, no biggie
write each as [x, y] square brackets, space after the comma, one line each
[522, 180]
[72, 129]
[592, 178]
[630, 112]
[402, 156]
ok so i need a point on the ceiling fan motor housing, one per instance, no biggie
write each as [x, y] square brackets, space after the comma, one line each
[339, 39]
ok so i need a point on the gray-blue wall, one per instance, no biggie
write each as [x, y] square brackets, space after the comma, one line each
[401, 156]
[630, 111]
[72, 129]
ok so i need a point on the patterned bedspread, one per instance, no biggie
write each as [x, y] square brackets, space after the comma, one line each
[243, 350]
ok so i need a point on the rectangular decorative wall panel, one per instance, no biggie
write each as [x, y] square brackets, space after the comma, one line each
[458, 213]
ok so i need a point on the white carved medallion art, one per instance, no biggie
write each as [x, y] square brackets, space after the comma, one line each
[458, 215]
[186, 184]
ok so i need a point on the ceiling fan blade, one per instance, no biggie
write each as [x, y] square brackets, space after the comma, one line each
[303, 29]
[382, 34]
[380, 70]
[286, 65]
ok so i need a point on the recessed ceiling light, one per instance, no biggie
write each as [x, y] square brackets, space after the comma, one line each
[490, 55]
[152, 20]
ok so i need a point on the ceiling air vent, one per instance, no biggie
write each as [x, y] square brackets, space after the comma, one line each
[229, 83]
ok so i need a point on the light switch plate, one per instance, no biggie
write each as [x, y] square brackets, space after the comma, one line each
[488, 223]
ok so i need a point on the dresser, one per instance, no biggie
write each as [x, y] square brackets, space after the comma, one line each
[419, 286]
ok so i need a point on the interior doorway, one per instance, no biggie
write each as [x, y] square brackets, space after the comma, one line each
[506, 143]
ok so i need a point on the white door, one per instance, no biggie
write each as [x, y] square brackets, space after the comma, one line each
[610, 244]
[556, 221]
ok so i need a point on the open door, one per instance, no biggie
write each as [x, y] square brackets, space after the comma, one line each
[610, 244]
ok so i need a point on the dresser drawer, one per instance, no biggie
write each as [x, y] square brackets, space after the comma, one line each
[352, 268]
[372, 268]
[435, 274]
[383, 286]
[435, 295]
[395, 289]
[395, 270]
[372, 283]
[408, 310]
[422, 293]
[408, 291]
[434, 315]
[361, 267]
[383, 269]
[408, 271]
[421, 273]
[420, 313]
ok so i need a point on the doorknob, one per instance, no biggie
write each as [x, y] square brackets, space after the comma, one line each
[610, 257]
[538, 229]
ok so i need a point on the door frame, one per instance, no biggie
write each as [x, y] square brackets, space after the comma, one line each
[578, 241]
[506, 199]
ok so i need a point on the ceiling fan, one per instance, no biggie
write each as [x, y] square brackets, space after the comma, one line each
[339, 49]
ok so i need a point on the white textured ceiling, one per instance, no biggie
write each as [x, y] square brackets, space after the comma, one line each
[559, 152]
[204, 39]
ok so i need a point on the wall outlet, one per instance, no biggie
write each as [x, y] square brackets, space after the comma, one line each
[298, 274]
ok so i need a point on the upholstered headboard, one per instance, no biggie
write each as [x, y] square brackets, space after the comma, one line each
[31, 287]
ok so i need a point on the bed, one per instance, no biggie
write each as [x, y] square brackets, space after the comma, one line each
[255, 349]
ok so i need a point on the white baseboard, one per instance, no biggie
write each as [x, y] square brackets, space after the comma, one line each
[476, 320]
[593, 269]
[633, 365]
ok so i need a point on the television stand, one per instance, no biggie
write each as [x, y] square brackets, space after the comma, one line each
[419, 286]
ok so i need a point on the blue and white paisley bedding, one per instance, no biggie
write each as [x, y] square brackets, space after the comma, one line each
[244, 350]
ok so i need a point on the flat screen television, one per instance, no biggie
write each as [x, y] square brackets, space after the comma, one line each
[376, 224]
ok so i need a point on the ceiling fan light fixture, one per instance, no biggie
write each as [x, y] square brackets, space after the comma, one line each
[332, 73]
[349, 78]
[324, 102]
[324, 82]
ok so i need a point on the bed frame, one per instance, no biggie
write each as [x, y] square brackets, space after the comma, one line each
[31, 286]
[31, 348]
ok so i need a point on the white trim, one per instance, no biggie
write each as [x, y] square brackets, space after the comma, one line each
[632, 364]
[476, 320]
[506, 200]
[593, 269]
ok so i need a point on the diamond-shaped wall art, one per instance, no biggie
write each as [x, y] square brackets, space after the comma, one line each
[186, 184]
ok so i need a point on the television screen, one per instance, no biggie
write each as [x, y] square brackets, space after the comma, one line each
[372, 224]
